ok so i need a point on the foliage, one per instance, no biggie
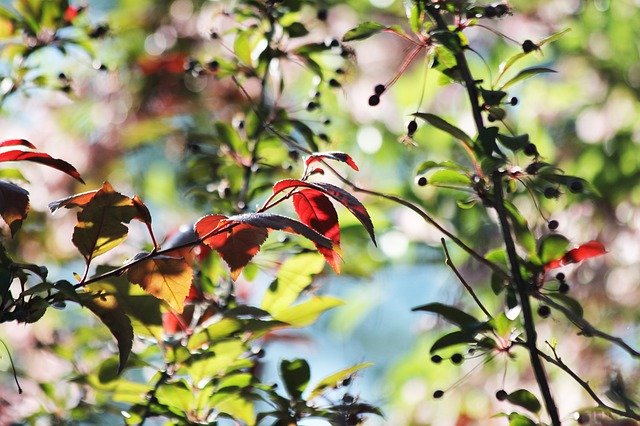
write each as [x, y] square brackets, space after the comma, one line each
[212, 84]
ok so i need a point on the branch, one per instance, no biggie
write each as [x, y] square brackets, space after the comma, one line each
[151, 395]
[449, 263]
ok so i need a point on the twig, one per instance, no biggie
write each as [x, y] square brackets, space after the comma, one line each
[151, 395]
[449, 263]
[13, 367]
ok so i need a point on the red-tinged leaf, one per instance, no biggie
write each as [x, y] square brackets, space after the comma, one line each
[14, 205]
[337, 193]
[41, 158]
[70, 13]
[582, 252]
[107, 308]
[165, 277]
[315, 210]
[101, 222]
[143, 211]
[236, 244]
[332, 155]
[283, 223]
[78, 200]
[17, 142]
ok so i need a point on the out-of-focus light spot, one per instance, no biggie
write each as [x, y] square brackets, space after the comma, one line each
[369, 139]
[6, 85]
[382, 4]
[414, 391]
[622, 286]
[591, 126]
[155, 44]
[394, 244]
[602, 5]
[181, 10]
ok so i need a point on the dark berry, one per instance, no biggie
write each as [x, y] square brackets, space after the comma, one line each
[422, 181]
[436, 359]
[563, 287]
[438, 394]
[514, 101]
[347, 399]
[412, 127]
[553, 224]
[501, 395]
[340, 71]
[551, 192]
[323, 137]
[334, 83]
[322, 14]
[99, 31]
[379, 89]
[576, 186]
[529, 46]
[213, 65]
[490, 12]
[534, 167]
[544, 311]
[530, 150]
[294, 155]
[190, 64]
[501, 10]
[214, 35]
[456, 358]
[326, 122]
[491, 118]
[346, 382]
[312, 105]
[334, 43]
[374, 100]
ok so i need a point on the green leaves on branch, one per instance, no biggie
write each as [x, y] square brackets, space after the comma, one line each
[445, 126]
[363, 31]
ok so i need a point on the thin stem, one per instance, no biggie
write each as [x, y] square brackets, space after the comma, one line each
[521, 284]
[151, 395]
[13, 367]
[449, 263]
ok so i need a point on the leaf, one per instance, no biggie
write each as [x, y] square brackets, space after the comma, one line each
[334, 380]
[307, 312]
[363, 31]
[525, 399]
[167, 278]
[343, 197]
[448, 177]
[295, 375]
[237, 244]
[445, 126]
[106, 308]
[524, 74]
[282, 223]
[296, 29]
[521, 228]
[585, 251]
[450, 313]
[552, 247]
[516, 419]
[447, 164]
[295, 275]
[143, 214]
[332, 155]
[452, 339]
[514, 143]
[572, 304]
[41, 158]
[14, 205]
[17, 142]
[77, 200]
[316, 211]
[101, 222]
[553, 37]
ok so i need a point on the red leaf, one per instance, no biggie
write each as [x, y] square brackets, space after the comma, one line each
[337, 193]
[585, 251]
[14, 205]
[17, 142]
[42, 158]
[77, 200]
[315, 210]
[143, 212]
[332, 155]
[236, 245]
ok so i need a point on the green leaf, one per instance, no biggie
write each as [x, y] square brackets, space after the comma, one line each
[296, 29]
[242, 47]
[524, 74]
[569, 302]
[176, 395]
[553, 37]
[502, 325]
[552, 246]
[295, 274]
[493, 97]
[447, 164]
[521, 228]
[514, 143]
[295, 375]
[445, 126]
[525, 399]
[363, 31]
[307, 312]
[448, 177]
[452, 339]
[450, 313]
[334, 380]
[516, 419]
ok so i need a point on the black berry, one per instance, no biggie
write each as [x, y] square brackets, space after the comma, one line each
[213, 65]
[529, 46]
[501, 10]
[456, 358]
[323, 137]
[490, 12]
[436, 359]
[347, 399]
[374, 100]
[553, 224]
[563, 287]
[379, 89]
[334, 83]
[422, 181]
[334, 43]
[551, 192]
[576, 186]
[322, 14]
[530, 150]
[438, 394]
[501, 395]
[514, 101]
[560, 276]
[491, 118]
[544, 311]
[311, 106]
[412, 127]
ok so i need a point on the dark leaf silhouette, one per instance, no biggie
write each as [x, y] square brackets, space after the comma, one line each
[37, 157]
[585, 251]
[14, 205]
[333, 155]
[337, 193]
[315, 210]
[77, 200]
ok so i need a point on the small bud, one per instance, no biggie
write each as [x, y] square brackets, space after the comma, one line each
[491, 118]
[334, 43]
[346, 382]
[514, 101]
[312, 106]
[334, 83]
[560, 276]
[544, 311]
[490, 12]
[552, 225]
[379, 89]
[551, 192]
[347, 399]
[534, 167]
[501, 395]
[323, 137]
[374, 100]
[528, 46]
[322, 14]
[438, 394]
